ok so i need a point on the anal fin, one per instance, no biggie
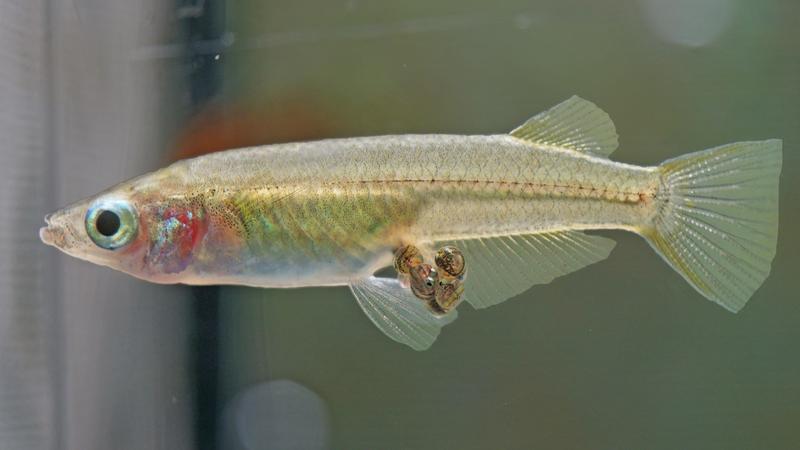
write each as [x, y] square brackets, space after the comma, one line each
[398, 313]
[502, 267]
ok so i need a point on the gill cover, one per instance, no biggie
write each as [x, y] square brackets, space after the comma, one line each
[174, 233]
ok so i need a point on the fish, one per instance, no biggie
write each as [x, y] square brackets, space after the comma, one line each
[515, 208]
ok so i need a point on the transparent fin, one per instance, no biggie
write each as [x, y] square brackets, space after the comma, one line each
[718, 224]
[502, 267]
[398, 313]
[575, 123]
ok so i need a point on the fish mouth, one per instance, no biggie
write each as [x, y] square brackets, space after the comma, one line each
[52, 234]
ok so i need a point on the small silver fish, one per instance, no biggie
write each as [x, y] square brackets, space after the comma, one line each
[511, 208]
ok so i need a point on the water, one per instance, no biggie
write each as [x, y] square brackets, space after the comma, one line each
[622, 354]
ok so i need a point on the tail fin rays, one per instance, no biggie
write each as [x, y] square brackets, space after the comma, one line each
[717, 220]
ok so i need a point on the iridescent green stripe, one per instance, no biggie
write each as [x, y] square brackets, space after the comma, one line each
[342, 223]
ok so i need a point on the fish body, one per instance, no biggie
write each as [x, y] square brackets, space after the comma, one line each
[333, 212]
[328, 212]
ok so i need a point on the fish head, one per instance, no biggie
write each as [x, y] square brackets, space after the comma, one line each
[144, 227]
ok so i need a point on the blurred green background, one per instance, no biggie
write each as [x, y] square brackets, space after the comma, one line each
[623, 354]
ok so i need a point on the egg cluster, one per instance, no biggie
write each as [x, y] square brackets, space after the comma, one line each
[440, 285]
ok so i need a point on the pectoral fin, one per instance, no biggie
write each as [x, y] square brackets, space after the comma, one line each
[398, 313]
[503, 267]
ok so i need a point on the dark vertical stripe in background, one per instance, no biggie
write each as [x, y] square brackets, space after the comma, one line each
[204, 21]
[206, 359]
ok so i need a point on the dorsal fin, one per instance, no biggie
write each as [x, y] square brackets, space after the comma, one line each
[576, 124]
[502, 267]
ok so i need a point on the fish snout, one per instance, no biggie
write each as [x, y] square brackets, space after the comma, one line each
[59, 229]
[52, 235]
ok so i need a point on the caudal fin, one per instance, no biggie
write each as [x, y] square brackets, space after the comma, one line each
[717, 220]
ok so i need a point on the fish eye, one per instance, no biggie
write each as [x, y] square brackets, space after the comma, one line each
[111, 224]
[107, 223]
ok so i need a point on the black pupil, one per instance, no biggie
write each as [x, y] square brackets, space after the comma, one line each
[107, 223]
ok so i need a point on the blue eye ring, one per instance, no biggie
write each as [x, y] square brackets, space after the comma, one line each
[111, 223]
